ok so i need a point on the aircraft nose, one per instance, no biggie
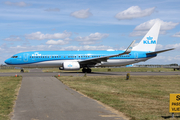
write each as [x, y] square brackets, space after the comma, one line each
[7, 61]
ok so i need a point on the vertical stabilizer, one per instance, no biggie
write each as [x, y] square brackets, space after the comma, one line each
[148, 43]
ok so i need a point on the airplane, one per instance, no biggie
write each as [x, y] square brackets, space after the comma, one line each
[75, 60]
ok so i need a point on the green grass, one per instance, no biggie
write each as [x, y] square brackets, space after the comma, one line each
[8, 93]
[133, 69]
[11, 70]
[141, 97]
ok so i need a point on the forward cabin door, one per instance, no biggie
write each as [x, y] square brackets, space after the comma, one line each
[25, 57]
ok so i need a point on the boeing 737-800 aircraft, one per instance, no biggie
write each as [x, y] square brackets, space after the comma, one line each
[74, 60]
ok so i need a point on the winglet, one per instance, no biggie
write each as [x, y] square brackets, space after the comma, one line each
[128, 50]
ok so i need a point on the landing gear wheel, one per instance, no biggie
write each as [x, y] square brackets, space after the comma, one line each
[84, 70]
[88, 70]
[22, 70]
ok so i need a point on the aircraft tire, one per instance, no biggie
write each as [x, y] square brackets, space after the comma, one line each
[22, 70]
[88, 70]
[84, 70]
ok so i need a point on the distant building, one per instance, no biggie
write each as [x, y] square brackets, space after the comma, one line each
[174, 65]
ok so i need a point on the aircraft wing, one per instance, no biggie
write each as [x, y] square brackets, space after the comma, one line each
[156, 52]
[104, 58]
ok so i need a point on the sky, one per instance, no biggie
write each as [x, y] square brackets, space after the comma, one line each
[47, 25]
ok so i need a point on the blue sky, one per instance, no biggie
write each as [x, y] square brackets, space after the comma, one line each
[31, 25]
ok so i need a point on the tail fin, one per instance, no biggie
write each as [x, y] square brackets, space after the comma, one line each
[148, 43]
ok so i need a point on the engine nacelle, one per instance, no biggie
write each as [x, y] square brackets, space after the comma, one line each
[70, 66]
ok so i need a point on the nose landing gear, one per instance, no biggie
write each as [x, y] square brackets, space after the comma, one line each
[22, 70]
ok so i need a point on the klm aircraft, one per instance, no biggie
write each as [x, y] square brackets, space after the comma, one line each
[75, 60]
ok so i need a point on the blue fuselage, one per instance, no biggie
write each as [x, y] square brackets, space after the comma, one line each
[56, 58]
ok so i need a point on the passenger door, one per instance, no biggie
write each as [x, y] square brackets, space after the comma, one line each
[25, 57]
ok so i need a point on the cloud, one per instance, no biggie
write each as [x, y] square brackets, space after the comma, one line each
[177, 46]
[19, 4]
[12, 38]
[134, 12]
[40, 36]
[143, 28]
[87, 47]
[21, 48]
[160, 47]
[168, 59]
[58, 42]
[92, 38]
[52, 10]
[164, 25]
[81, 14]
[68, 39]
[176, 34]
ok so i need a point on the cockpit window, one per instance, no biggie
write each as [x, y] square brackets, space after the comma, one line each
[14, 56]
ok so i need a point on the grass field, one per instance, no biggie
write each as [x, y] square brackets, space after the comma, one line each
[141, 97]
[11, 70]
[9, 87]
[133, 69]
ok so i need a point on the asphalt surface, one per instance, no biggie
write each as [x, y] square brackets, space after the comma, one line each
[38, 73]
[43, 97]
[46, 98]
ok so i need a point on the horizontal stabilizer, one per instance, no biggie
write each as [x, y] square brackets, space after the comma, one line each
[156, 52]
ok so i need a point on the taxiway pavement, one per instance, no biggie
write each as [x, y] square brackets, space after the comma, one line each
[43, 97]
[38, 73]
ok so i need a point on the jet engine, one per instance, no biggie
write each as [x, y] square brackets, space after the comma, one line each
[70, 66]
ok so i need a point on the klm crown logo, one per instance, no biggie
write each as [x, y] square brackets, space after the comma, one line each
[69, 65]
[149, 41]
[36, 54]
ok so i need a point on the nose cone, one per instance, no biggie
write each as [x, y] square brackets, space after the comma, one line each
[8, 61]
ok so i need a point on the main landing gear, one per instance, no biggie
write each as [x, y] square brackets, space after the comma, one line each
[84, 70]
[22, 70]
